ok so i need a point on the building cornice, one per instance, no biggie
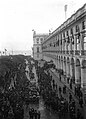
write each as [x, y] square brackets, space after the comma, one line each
[76, 16]
[40, 35]
[37, 44]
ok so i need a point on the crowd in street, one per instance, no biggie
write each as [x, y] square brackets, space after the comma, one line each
[53, 100]
[10, 107]
[12, 100]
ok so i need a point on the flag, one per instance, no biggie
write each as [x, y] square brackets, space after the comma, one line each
[5, 49]
[34, 32]
[49, 31]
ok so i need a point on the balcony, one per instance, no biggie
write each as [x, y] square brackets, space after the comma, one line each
[58, 52]
[77, 52]
[63, 51]
[67, 52]
[83, 52]
[72, 52]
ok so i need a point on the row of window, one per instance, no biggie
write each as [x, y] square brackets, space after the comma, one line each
[59, 42]
[37, 49]
[39, 39]
[65, 38]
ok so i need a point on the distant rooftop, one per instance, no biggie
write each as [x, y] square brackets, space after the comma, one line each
[41, 34]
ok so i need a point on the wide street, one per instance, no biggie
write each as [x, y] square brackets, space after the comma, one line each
[45, 113]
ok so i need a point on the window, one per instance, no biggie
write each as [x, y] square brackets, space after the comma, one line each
[68, 39]
[71, 31]
[37, 49]
[78, 35]
[64, 35]
[61, 39]
[41, 39]
[84, 43]
[37, 40]
[77, 28]
[83, 25]
[67, 33]
[72, 40]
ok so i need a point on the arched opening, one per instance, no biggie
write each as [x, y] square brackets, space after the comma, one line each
[78, 38]
[57, 62]
[68, 67]
[64, 65]
[72, 73]
[78, 73]
[83, 78]
[61, 62]
[84, 63]
[83, 74]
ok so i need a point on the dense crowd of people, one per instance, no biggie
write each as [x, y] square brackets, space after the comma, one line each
[13, 84]
[54, 101]
[12, 101]
[10, 108]
[34, 114]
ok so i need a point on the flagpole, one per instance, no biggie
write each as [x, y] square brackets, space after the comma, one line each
[65, 9]
[65, 15]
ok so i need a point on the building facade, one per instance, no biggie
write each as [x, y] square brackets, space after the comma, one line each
[66, 46]
[37, 45]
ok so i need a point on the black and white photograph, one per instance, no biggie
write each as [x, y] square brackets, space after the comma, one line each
[42, 59]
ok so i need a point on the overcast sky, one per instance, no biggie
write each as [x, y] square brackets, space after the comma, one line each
[19, 17]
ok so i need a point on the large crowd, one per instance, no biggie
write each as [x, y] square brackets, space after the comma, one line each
[34, 114]
[54, 100]
[10, 108]
[12, 101]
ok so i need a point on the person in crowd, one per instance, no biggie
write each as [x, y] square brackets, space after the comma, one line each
[10, 114]
[39, 114]
[31, 113]
[72, 109]
[78, 114]
[81, 102]
[35, 114]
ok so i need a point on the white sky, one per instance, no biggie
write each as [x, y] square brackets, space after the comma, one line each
[19, 17]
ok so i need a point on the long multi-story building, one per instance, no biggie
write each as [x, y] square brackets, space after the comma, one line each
[37, 45]
[66, 46]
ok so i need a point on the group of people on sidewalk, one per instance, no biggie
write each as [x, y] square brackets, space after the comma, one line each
[34, 114]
